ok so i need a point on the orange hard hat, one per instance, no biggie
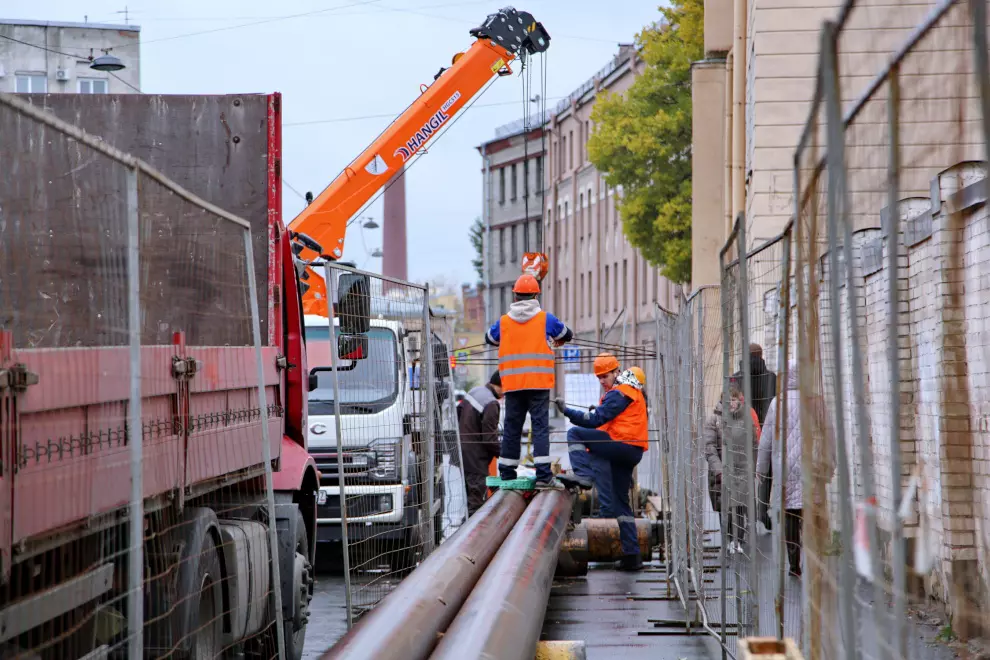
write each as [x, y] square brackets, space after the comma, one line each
[639, 374]
[526, 284]
[605, 363]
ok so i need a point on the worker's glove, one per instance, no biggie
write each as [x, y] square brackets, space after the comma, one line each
[560, 405]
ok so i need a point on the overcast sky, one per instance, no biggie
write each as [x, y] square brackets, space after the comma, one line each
[345, 69]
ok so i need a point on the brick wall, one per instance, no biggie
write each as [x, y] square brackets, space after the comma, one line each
[943, 330]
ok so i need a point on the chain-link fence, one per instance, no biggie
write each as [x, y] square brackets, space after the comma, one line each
[383, 413]
[862, 496]
[129, 303]
[450, 455]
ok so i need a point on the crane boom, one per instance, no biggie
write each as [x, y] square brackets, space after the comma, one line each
[499, 40]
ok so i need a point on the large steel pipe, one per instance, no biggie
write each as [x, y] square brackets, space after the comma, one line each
[408, 622]
[503, 617]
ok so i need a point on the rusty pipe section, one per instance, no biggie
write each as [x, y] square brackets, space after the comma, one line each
[597, 540]
[503, 617]
[407, 623]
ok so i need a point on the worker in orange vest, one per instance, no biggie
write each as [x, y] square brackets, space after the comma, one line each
[525, 361]
[605, 446]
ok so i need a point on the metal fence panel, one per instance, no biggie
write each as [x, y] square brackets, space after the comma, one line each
[388, 411]
[130, 307]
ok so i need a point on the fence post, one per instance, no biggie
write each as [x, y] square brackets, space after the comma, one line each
[836, 192]
[428, 381]
[781, 427]
[742, 290]
[266, 452]
[332, 314]
[726, 304]
[135, 436]
[893, 359]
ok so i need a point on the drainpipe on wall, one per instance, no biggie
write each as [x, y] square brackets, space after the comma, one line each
[738, 108]
[727, 146]
[487, 252]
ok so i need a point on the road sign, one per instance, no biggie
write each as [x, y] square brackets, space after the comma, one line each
[570, 354]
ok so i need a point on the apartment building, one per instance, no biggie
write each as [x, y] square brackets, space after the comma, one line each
[48, 57]
[598, 283]
[513, 166]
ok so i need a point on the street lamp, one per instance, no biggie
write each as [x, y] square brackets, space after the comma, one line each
[377, 253]
[107, 62]
[371, 224]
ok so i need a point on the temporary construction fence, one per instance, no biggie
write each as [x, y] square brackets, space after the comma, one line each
[139, 405]
[870, 310]
[387, 414]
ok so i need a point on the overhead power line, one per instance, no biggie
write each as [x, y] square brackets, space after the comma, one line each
[391, 115]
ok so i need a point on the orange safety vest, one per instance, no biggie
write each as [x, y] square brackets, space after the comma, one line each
[525, 359]
[631, 426]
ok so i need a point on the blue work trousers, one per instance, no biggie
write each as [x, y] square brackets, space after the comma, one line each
[517, 404]
[610, 465]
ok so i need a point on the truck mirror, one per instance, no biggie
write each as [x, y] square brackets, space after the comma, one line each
[313, 381]
[352, 347]
[354, 303]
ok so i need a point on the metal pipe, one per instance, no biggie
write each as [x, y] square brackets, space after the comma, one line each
[503, 617]
[407, 623]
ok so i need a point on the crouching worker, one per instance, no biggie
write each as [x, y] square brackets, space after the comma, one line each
[606, 445]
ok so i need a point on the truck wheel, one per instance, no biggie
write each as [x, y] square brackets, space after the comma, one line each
[206, 640]
[302, 590]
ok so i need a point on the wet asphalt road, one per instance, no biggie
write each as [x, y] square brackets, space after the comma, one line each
[327, 621]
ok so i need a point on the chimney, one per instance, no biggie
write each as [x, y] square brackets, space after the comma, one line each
[394, 228]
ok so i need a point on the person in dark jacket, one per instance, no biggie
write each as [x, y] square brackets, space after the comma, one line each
[762, 389]
[477, 419]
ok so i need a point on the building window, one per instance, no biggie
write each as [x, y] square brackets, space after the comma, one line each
[525, 178]
[646, 281]
[32, 83]
[605, 292]
[581, 214]
[525, 229]
[590, 306]
[587, 136]
[656, 280]
[501, 246]
[561, 155]
[92, 86]
[539, 235]
[501, 185]
[581, 299]
[625, 282]
[615, 289]
[567, 297]
[501, 301]
[570, 151]
[539, 175]
[514, 192]
[512, 244]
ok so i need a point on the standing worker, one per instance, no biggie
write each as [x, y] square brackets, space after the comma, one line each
[477, 420]
[525, 362]
[606, 445]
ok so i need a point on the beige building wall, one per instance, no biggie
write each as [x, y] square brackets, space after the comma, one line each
[597, 284]
[708, 169]
[61, 65]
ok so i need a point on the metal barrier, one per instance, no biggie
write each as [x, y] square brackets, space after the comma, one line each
[868, 310]
[389, 412]
[145, 415]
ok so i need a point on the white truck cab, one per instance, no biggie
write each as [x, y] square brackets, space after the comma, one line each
[386, 465]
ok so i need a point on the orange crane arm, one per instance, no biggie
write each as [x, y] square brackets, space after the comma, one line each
[500, 39]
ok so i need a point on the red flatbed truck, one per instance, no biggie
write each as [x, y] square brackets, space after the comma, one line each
[64, 439]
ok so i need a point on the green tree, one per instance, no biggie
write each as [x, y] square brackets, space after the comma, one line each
[642, 140]
[477, 233]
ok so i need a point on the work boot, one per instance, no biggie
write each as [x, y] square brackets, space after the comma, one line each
[629, 563]
[548, 484]
[573, 480]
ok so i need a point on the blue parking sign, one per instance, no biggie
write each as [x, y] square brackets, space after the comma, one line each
[571, 354]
